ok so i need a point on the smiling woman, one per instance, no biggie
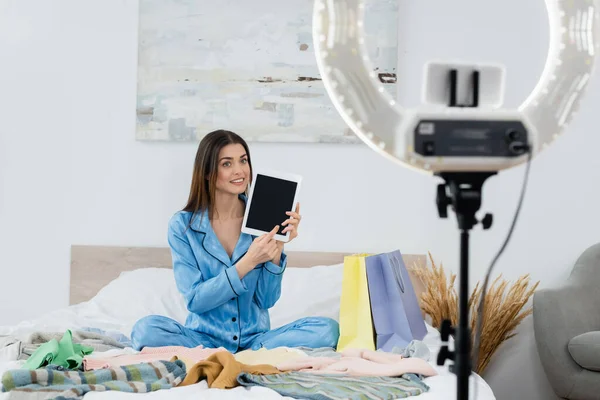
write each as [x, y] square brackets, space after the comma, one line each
[229, 279]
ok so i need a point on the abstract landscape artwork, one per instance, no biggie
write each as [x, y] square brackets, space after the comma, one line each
[244, 66]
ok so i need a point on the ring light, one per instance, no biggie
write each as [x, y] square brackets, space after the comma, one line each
[392, 131]
[463, 142]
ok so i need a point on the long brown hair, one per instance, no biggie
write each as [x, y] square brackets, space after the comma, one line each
[204, 178]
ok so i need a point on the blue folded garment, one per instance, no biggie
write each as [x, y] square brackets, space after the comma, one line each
[118, 336]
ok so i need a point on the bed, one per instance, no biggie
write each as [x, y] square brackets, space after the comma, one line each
[105, 279]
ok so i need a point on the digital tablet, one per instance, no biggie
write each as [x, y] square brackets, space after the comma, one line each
[271, 195]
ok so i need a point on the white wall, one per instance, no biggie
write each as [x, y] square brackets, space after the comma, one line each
[72, 173]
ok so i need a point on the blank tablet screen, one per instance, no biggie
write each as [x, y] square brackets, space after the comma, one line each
[271, 199]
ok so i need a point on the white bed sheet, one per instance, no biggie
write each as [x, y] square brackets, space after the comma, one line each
[103, 312]
[442, 388]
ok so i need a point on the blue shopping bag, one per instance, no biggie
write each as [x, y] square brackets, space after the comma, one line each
[397, 317]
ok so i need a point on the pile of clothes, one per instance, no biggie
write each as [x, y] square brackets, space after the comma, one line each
[71, 365]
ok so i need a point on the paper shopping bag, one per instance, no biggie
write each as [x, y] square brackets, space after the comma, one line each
[356, 324]
[396, 312]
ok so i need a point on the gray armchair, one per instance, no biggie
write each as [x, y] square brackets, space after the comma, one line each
[567, 330]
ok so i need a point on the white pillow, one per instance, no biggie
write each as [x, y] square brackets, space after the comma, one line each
[116, 307]
[136, 294]
[308, 292]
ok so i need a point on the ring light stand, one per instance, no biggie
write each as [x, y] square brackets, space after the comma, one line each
[463, 142]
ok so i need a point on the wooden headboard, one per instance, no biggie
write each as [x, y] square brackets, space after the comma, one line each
[93, 267]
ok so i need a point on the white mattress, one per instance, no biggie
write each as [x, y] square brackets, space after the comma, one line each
[156, 294]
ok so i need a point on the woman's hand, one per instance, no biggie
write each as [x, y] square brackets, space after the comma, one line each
[292, 226]
[292, 223]
[263, 249]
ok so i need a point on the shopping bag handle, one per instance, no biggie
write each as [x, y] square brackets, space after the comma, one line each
[395, 263]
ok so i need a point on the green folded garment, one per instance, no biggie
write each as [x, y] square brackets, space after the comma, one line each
[64, 353]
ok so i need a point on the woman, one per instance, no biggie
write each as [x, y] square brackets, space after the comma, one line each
[229, 279]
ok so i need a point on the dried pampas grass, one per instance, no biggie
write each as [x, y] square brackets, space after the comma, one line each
[503, 311]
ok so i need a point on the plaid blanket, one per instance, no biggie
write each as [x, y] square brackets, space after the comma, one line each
[65, 384]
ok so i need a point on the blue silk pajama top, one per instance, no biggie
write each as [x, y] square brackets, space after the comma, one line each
[221, 305]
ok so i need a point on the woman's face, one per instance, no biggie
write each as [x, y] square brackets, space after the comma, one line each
[233, 173]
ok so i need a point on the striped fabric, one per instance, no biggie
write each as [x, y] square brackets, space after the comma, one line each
[302, 385]
[138, 378]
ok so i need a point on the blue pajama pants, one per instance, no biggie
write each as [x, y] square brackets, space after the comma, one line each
[312, 332]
